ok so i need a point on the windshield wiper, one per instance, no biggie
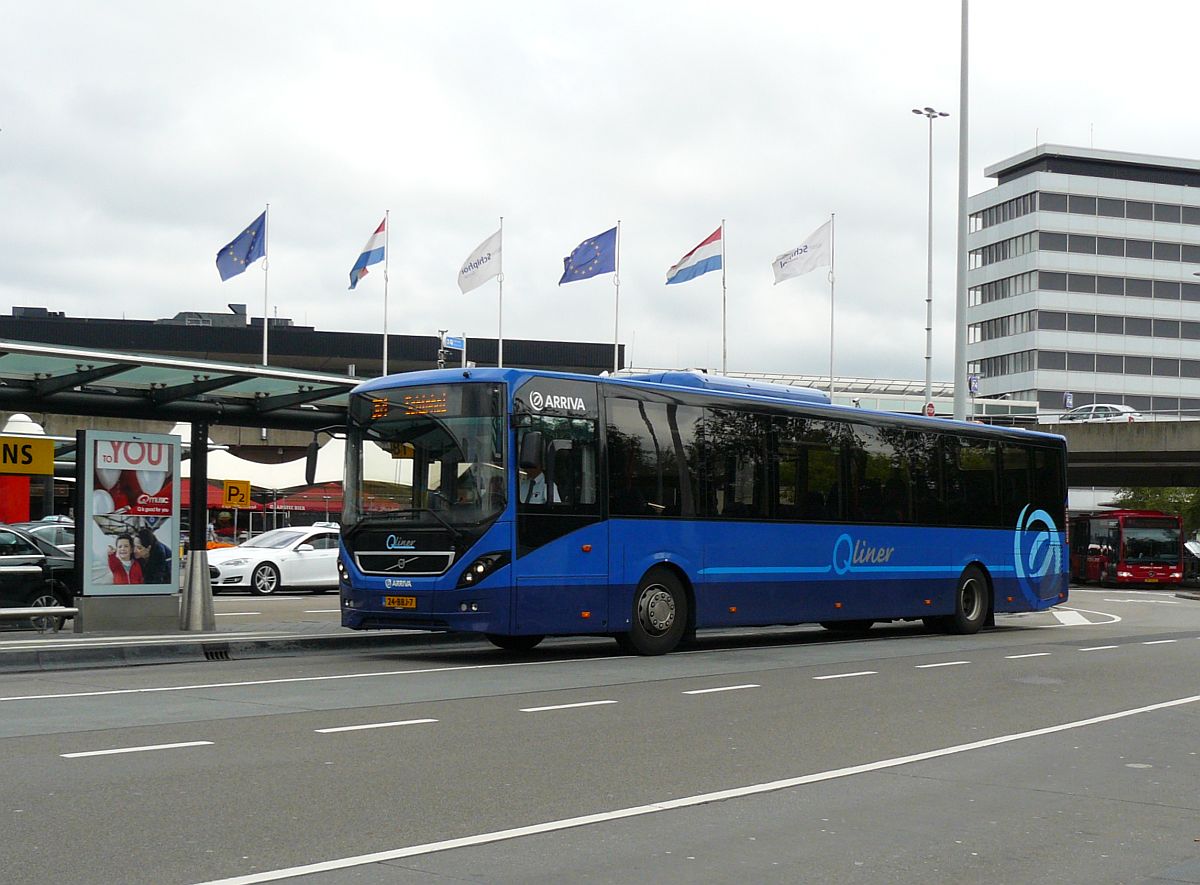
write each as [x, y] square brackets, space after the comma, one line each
[379, 514]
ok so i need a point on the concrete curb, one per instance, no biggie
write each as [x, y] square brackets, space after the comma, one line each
[104, 652]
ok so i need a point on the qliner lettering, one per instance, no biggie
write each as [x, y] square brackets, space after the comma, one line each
[864, 553]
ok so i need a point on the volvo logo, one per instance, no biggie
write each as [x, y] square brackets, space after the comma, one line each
[394, 542]
[1037, 553]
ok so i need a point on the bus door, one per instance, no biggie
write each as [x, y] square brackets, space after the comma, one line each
[561, 566]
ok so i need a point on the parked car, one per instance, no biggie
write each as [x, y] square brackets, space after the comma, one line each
[60, 534]
[33, 572]
[303, 557]
[1102, 413]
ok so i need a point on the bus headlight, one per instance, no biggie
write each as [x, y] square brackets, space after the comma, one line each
[481, 568]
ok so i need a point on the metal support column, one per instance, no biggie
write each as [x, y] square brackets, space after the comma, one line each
[196, 606]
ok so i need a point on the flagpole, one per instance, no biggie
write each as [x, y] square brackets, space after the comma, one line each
[724, 340]
[500, 303]
[266, 226]
[831, 239]
[617, 302]
[387, 232]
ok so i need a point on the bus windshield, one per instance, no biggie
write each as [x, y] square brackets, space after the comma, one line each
[427, 454]
[1151, 542]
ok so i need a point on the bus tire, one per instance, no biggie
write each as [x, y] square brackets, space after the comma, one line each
[972, 600]
[856, 626]
[660, 615]
[514, 643]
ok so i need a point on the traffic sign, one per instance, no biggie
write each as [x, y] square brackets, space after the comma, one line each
[20, 454]
[236, 493]
[930, 411]
[453, 343]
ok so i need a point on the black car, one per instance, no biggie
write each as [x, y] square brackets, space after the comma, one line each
[33, 572]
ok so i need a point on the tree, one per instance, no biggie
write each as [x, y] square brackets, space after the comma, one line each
[1184, 501]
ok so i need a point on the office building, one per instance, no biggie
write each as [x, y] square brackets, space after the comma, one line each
[1084, 280]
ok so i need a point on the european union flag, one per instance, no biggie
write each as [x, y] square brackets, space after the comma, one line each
[592, 257]
[246, 248]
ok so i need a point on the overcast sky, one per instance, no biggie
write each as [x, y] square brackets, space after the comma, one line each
[136, 138]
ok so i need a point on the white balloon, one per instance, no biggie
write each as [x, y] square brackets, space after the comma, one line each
[151, 480]
[108, 476]
[102, 502]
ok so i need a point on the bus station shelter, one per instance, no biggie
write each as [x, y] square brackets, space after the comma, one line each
[71, 381]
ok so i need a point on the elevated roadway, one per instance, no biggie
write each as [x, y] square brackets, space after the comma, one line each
[1139, 453]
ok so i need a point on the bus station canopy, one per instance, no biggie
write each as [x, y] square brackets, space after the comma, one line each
[109, 384]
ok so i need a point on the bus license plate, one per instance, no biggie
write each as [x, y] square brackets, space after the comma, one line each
[1151, 580]
[399, 602]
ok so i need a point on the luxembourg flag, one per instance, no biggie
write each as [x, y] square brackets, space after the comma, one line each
[702, 259]
[372, 253]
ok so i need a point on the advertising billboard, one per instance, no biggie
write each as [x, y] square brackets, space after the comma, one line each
[129, 490]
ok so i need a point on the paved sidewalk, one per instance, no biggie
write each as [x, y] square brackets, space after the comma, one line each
[28, 650]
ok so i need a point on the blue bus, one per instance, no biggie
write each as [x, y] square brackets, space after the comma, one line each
[524, 504]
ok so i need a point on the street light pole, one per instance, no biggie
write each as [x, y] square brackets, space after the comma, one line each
[932, 115]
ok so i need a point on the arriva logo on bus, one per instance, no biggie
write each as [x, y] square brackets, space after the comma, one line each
[539, 401]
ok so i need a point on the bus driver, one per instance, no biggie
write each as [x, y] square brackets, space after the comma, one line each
[533, 487]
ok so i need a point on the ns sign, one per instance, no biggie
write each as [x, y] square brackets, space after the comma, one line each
[22, 455]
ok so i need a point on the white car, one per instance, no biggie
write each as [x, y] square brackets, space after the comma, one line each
[1102, 413]
[296, 558]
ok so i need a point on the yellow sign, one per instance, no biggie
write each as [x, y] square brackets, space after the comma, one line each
[20, 454]
[236, 493]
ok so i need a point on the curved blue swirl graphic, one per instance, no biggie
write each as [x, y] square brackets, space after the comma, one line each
[1036, 550]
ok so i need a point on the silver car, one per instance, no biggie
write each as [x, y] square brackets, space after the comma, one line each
[1102, 413]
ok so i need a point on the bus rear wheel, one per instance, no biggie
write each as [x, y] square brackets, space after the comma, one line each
[660, 615]
[514, 643]
[972, 600]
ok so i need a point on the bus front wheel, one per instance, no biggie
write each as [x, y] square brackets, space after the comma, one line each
[514, 643]
[660, 615]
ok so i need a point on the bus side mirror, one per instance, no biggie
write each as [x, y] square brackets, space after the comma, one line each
[531, 449]
[310, 462]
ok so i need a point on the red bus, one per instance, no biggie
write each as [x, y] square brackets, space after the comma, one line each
[1127, 547]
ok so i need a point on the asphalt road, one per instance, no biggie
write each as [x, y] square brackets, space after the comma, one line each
[1056, 748]
[244, 611]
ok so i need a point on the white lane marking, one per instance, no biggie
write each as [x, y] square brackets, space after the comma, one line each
[298, 679]
[565, 706]
[684, 802]
[1036, 654]
[322, 611]
[1070, 618]
[722, 688]
[1098, 648]
[232, 614]
[136, 749]
[1147, 601]
[1159, 641]
[942, 664]
[372, 725]
[848, 675]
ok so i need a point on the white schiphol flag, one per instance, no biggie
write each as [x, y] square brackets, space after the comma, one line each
[481, 265]
[814, 252]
